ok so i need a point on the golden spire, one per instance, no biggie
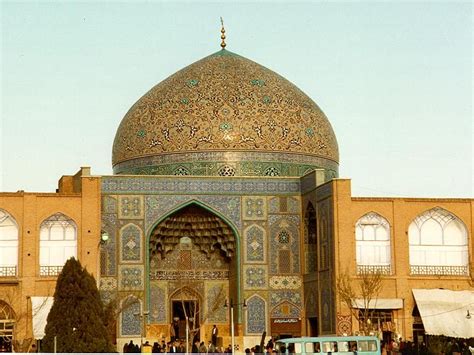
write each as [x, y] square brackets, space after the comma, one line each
[222, 34]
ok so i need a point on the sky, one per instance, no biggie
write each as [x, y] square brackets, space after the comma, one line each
[394, 78]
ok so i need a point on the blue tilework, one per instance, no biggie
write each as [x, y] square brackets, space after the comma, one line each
[256, 315]
[130, 323]
[130, 243]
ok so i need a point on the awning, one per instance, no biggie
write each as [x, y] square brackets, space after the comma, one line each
[379, 303]
[444, 312]
[40, 307]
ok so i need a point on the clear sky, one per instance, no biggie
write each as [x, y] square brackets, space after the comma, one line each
[394, 78]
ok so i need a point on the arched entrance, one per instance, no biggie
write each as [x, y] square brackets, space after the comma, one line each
[7, 324]
[192, 269]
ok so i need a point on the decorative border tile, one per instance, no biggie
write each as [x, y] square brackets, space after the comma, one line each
[201, 185]
[285, 282]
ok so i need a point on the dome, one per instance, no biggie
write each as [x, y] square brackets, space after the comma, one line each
[225, 115]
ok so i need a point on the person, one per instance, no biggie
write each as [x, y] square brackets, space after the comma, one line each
[270, 343]
[125, 348]
[156, 348]
[173, 348]
[146, 348]
[215, 331]
[354, 348]
[211, 348]
[172, 332]
[202, 348]
[195, 348]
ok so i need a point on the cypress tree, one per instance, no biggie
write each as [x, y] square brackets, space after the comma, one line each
[77, 315]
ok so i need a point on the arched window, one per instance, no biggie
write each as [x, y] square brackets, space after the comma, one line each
[58, 243]
[438, 244]
[310, 239]
[7, 325]
[8, 245]
[372, 233]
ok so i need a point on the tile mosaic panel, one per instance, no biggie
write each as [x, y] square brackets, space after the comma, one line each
[277, 297]
[109, 204]
[130, 207]
[131, 277]
[284, 204]
[131, 244]
[254, 208]
[158, 302]
[285, 282]
[285, 310]
[255, 244]
[255, 277]
[159, 206]
[216, 294]
[256, 315]
[279, 226]
[204, 185]
[308, 182]
[130, 324]
[108, 284]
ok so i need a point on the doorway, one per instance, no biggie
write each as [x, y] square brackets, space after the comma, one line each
[181, 309]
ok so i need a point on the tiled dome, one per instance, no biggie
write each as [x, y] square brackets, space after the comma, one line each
[225, 115]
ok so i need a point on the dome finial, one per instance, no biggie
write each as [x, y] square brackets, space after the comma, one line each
[223, 44]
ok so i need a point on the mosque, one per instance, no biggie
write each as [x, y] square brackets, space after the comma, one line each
[225, 208]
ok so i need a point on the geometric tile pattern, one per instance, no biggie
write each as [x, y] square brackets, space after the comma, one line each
[130, 323]
[255, 277]
[256, 315]
[254, 208]
[284, 236]
[130, 244]
[108, 254]
[344, 324]
[285, 282]
[255, 244]
[130, 207]
[158, 303]
[131, 277]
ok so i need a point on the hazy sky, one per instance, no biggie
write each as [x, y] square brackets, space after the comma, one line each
[394, 79]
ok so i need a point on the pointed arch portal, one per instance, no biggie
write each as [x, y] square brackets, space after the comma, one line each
[195, 249]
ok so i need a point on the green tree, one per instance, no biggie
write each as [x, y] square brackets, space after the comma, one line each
[77, 316]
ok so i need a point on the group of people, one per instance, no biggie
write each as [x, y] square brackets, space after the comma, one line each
[400, 347]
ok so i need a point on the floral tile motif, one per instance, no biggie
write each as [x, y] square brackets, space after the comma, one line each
[254, 208]
[277, 297]
[256, 315]
[284, 310]
[131, 277]
[130, 244]
[130, 207]
[255, 277]
[286, 282]
[205, 185]
[255, 244]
